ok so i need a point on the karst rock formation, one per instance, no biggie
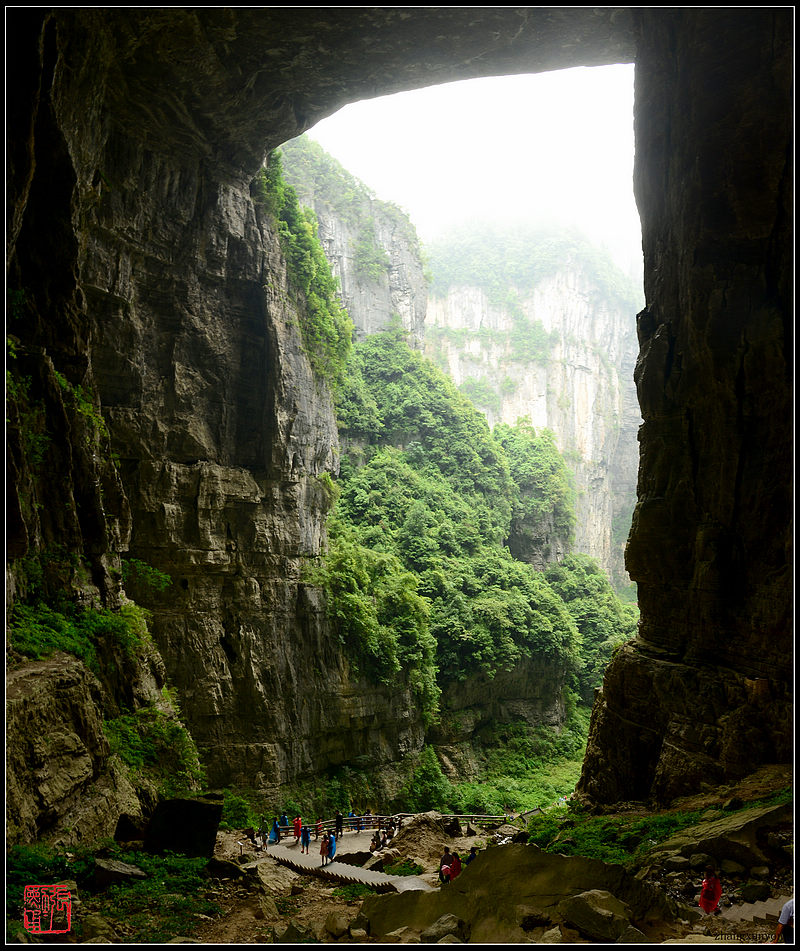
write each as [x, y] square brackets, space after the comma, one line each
[140, 275]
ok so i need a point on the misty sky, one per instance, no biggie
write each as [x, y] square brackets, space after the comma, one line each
[551, 147]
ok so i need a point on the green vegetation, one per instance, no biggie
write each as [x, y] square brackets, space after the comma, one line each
[238, 811]
[482, 392]
[370, 260]
[377, 613]
[83, 403]
[355, 891]
[154, 744]
[432, 496]
[427, 787]
[622, 840]
[325, 325]
[545, 486]
[603, 620]
[136, 572]
[151, 910]
[506, 261]
[403, 867]
[37, 631]
[319, 179]
[165, 904]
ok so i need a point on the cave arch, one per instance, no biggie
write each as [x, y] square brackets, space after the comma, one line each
[182, 105]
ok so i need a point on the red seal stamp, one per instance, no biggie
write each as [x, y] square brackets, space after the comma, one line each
[46, 909]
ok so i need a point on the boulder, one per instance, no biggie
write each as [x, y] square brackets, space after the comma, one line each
[336, 924]
[597, 914]
[108, 871]
[445, 925]
[290, 933]
[94, 926]
[632, 935]
[222, 868]
[745, 837]
[267, 909]
[754, 891]
[529, 918]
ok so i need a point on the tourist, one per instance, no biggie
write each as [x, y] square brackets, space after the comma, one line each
[305, 839]
[455, 866]
[331, 846]
[275, 835]
[323, 849]
[710, 892]
[473, 852]
[339, 822]
[444, 863]
[785, 927]
[297, 823]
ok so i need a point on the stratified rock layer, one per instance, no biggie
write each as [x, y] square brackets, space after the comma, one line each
[580, 387]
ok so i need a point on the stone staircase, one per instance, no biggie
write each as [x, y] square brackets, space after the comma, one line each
[341, 872]
[760, 912]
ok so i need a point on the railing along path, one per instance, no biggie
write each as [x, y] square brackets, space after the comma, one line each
[288, 851]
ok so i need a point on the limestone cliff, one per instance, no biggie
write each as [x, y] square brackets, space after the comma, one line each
[371, 245]
[579, 384]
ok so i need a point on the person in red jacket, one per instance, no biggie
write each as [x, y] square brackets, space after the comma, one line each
[455, 867]
[711, 892]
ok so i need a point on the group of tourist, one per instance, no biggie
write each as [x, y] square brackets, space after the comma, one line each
[382, 837]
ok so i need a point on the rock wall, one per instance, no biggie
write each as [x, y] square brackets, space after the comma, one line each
[394, 286]
[581, 388]
[705, 691]
[222, 433]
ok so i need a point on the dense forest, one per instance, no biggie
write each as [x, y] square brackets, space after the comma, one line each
[418, 573]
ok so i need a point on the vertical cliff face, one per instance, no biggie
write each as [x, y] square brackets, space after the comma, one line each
[185, 330]
[222, 432]
[579, 384]
[371, 245]
[705, 691]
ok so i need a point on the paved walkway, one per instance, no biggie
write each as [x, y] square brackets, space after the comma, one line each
[288, 853]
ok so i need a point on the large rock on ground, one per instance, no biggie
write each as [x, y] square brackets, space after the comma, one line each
[526, 878]
[744, 837]
[597, 914]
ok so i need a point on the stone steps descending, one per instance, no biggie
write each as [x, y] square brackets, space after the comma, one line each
[308, 864]
[760, 912]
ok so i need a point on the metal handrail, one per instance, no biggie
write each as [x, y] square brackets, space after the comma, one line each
[368, 821]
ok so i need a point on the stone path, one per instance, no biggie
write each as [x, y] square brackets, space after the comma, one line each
[288, 853]
[760, 912]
